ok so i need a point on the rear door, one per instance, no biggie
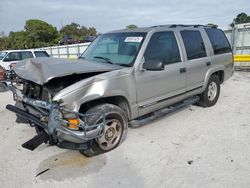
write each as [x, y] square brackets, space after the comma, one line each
[222, 53]
[156, 87]
[197, 59]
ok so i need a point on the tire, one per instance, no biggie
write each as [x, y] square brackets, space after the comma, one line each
[212, 92]
[115, 130]
[3, 87]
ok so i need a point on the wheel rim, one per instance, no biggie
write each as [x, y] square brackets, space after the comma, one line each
[212, 91]
[112, 135]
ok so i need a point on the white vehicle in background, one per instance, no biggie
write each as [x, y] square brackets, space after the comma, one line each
[9, 57]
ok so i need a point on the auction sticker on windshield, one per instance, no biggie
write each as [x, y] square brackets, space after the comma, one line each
[133, 39]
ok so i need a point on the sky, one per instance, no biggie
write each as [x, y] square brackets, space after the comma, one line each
[107, 15]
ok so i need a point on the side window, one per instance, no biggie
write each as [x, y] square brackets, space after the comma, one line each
[41, 54]
[163, 47]
[26, 55]
[218, 40]
[13, 56]
[194, 44]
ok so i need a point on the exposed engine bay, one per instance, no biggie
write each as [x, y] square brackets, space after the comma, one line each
[53, 121]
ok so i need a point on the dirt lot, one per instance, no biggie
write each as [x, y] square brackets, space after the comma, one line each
[195, 147]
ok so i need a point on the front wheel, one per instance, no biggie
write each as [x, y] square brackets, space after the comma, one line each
[212, 92]
[3, 87]
[115, 130]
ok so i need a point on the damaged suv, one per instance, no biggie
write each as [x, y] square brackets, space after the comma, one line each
[123, 75]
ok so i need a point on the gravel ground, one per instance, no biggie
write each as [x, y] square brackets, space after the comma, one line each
[194, 147]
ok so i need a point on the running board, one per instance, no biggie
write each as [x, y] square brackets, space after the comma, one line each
[159, 113]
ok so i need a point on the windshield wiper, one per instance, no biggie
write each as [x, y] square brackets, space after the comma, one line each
[107, 60]
[124, 65]
[81, 57]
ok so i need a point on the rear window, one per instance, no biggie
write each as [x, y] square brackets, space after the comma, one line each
[194, 44]
[218, 40]
[41, 54]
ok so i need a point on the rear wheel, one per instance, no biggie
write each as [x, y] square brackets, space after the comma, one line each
[212, 92]
[115, 130]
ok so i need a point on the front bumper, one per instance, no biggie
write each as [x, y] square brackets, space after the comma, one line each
[50, 117]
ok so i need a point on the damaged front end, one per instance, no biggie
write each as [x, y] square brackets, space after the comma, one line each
[54, 123]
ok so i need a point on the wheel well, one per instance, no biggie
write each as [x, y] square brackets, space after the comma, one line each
[4, 83]
[220, 74]
[120, 101]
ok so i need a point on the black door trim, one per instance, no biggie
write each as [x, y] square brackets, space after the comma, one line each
[168, 98]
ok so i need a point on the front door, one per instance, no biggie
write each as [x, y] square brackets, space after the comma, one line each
[155, 87]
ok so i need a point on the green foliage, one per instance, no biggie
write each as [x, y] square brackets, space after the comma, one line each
[131, 26]
[242, 18]
[3, 43]
[38, 33]
[76, 31]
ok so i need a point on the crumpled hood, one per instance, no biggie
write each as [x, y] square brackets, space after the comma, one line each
[41, 70]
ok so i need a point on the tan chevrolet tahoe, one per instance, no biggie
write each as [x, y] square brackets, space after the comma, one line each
[123, 75]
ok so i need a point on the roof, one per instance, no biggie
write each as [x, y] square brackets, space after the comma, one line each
[23, 50]
[148, 29]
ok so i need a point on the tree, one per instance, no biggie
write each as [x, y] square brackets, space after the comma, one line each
[72, 30]
[76, 31]
[40, 33]
[131, 26]
[17, 40]
[242, 18]
[3, 42]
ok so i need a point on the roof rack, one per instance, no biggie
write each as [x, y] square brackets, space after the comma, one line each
[182, 25]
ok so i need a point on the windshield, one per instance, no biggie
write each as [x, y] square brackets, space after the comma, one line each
[115, 48]
[2, 55]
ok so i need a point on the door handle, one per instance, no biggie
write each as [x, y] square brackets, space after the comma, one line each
[208, 63]
[182, 70]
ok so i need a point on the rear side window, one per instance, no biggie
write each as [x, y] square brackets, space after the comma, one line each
[163, 47]
[26, 55]
[194, 44]
[218, 40]
[41, 54]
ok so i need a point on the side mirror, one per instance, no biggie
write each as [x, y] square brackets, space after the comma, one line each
[153, 65]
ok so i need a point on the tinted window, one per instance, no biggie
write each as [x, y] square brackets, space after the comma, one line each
[163, 47]
[194, 44]
[218, 40]
[26, 55]
[13, 56]
[41, 54]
